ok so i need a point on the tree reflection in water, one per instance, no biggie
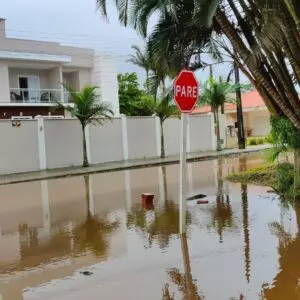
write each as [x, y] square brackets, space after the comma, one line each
[92, 234]
[184, 281]
[286, 283]
[160, 224]
[221, 212]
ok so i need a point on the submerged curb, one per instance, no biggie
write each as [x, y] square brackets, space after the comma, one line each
[114, 167]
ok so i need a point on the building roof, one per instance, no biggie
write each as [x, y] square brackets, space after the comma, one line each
[250, 101]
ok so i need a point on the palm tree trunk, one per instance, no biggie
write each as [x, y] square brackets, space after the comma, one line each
[258, 71]
[293, 13]
[239, 109]
[147, 82]
[85, 158]
[297, 168]
[217, 124]
[162, 140]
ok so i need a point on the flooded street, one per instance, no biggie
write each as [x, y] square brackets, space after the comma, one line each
[91, 238]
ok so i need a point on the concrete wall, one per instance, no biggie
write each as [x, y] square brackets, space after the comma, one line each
[141, 137]
[50, 143]
[104, 75]
[55, 78]
[4, 82]
[63, 143]
[259, 122]
[14, 74]
[172, 136]
[85, 77]
[72, 78]
[106, 142]
[201, 133]
[19, 147]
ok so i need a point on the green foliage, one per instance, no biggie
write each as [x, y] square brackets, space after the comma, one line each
[283, 136]
[133, 100]
[214, 93]
[251, 141]
[87, 108]
[280, 177]
[283, 132]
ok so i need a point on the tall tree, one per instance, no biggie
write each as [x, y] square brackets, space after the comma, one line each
[141, 59]
[88, 108]
[214, 93]
[261, 36]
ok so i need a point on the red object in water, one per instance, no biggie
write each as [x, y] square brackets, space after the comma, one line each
[202, 202]
[147, 200]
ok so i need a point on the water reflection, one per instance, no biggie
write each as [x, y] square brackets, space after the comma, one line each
[221, 212]
[184, 282]
[78, 223]
[92, 234]
[159, 224]
[286, 283]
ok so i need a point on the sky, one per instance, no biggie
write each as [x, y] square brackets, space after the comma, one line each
[78, 23]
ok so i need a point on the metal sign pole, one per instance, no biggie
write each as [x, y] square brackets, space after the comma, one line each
[182, 184]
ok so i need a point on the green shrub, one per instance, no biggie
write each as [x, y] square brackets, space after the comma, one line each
[251, 141]
[260, 141]
[269, 139]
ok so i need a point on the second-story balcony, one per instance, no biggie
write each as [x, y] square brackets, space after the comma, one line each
[18, 95]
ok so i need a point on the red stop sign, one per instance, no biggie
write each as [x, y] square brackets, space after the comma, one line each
[186, 91]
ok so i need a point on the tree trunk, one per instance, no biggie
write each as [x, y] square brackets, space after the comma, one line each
[239, 110]
[85, 158]
[258, 71]
[217, 123]
[147, 82]
[162, 140]
[297, 168]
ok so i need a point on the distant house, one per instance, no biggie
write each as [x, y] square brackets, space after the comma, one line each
[256, 114]
[32, 73]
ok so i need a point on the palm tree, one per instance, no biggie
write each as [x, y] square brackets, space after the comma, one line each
[214, 94]
[88, 109]
[141, 59]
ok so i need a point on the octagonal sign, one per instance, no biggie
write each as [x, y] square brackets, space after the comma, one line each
[186, 91]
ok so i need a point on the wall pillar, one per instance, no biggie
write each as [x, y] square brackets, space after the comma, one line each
[124, 137]
[158, 136]
[42, 143]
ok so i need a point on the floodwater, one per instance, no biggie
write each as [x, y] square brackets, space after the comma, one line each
[91, 238]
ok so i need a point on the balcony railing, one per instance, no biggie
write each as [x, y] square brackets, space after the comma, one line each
[38, 96]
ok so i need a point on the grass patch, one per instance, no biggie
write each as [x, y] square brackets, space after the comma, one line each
[265, 176]
[279, 177]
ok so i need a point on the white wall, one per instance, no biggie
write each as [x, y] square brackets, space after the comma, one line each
[57, 143]
[63, 143]
[18, 147]
[55, 78]
[4, 83]
[141, 137]
[172, 136]
[201, 133]
[106, 142]
[259, 122]
[104, 75]
[14, 74]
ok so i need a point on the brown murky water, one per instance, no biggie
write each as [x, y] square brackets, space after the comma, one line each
[90, 238]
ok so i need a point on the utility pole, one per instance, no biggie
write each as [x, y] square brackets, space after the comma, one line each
[239, 109]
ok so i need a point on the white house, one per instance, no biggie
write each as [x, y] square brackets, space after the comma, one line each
[32, 73]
